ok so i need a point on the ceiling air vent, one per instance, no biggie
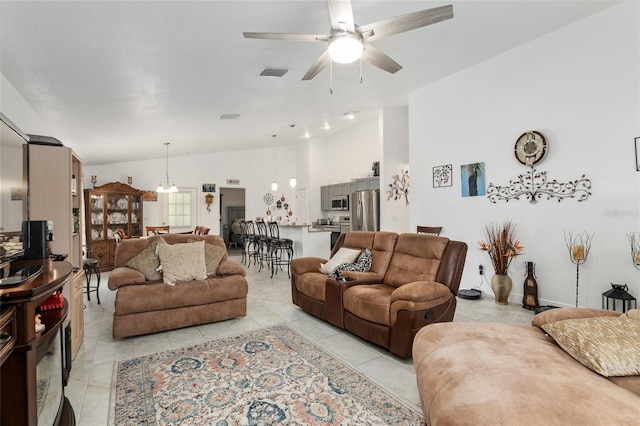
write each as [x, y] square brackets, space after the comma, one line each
[273, 72]
[229, 116]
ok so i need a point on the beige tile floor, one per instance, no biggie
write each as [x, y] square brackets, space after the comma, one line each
[269, 303]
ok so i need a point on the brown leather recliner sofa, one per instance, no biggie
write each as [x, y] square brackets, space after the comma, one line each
[148, 306]
[413, 281]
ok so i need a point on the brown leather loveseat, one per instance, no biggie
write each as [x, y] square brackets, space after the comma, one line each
[147, 306]
[413, 281]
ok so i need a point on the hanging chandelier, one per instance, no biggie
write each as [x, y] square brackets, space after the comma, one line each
[167, 188]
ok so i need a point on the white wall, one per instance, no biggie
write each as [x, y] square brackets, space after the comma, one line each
[579, 87]
[394, 144]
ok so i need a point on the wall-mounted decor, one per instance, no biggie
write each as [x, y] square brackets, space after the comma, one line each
[442, 176]
[637, 140]
[534, 185]
[530, 149]
[472, 179]
[208, 187]
[208, 199]
[149, 196]
[399, 187]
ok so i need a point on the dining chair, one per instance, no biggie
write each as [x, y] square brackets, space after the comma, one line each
[157, 230]
[433, 230]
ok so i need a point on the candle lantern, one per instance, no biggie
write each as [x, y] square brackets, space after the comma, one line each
[619, 292]
[579, 246]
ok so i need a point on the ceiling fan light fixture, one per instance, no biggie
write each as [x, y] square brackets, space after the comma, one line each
[345, 48]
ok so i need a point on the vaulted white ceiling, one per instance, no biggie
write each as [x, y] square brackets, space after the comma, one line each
[117, 79]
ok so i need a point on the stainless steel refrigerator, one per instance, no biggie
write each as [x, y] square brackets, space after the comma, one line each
[365, 210]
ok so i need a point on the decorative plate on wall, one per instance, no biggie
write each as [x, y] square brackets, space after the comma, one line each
[530, 148]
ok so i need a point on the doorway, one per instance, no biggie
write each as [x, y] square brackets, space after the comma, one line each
[232, 210]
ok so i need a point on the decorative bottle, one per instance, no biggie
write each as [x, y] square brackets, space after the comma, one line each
[530, 294]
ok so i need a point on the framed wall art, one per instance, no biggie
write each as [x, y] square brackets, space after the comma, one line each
[472, 179]
[442, 176]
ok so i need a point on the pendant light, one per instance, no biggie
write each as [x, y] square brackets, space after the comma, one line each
[274, 184]
[293, 182]
[167, 188]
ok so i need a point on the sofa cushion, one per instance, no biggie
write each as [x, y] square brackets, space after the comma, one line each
[147, 261]
[344, 255]
[312, 284]
[212, 256]
[609, 346]
[182, 262]
[559, 314]
[416, 258]
[157, 297]
[369, 302]
[362, 264]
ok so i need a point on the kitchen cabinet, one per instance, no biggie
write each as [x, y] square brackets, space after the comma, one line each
[108, 208]
[325, 198]
[327, 192]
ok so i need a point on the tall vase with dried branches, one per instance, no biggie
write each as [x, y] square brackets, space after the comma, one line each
[502, 247]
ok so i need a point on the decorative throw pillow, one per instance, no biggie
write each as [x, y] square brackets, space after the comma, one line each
[344, 255]
[212, 256]
[182, 262]
[609, 346]
[147, 260]
[363, 264]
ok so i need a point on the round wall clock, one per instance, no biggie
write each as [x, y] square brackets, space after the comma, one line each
[530, 148]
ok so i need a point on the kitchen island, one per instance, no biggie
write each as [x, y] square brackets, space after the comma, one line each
[307, 240]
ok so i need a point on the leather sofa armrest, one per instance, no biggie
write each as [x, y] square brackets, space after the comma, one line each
[559, 314]
[123, 276]
[418, 296]
[420, 291]
[306, 264]
[368, 277]
[230, 267]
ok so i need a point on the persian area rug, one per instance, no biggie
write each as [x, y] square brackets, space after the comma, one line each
[272, 376]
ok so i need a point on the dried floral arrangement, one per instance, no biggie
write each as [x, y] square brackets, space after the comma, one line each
[501, 245]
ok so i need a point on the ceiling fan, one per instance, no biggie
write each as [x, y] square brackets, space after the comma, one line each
[349, 42]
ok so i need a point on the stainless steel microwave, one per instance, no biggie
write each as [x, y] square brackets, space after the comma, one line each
[340, 202]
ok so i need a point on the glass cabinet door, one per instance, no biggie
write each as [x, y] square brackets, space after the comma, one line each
[135, 216]
[96, 220]
[117, 214]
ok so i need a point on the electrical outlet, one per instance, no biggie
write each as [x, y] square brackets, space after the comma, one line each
[480, 269]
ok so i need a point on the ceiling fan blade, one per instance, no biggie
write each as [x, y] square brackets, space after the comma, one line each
[341, 15]
[287, 36]
[407, 22]
[317, 66]
[378, 58]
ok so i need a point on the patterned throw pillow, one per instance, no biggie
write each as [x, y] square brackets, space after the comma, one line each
[609, 346]
[363, 264]
[344, 255]
[182, 262]
[147, 260]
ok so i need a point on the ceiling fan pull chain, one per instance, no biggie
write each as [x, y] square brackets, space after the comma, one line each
[331, 77]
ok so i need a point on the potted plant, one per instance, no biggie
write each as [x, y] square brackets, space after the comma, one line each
[502, 247]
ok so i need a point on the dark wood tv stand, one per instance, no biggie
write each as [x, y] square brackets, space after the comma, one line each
[24, 347]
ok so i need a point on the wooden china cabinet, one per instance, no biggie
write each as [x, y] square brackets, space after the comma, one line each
[108, 208]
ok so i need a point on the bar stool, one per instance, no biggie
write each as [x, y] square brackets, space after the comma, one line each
[279, 248]
[91, 266]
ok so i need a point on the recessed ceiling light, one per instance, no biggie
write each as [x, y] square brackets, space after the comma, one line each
[326, 126]
[307, 135]
[350, 115]
[229, 116]
[273, 72]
